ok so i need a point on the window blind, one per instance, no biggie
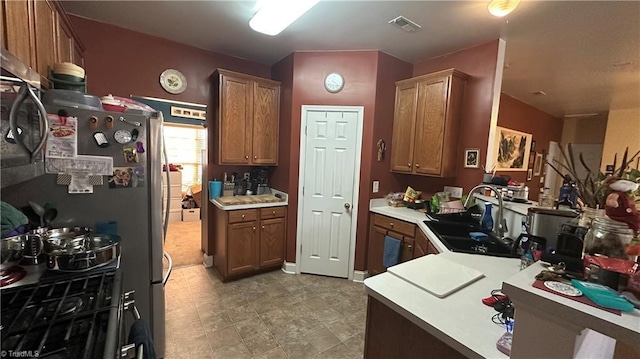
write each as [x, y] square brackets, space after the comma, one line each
[184, 147]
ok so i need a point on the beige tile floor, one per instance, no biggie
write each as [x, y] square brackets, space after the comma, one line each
[271, 315]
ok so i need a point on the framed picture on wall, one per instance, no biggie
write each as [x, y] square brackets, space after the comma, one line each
[472, 158]
[537, 166]
[511, 149]
[529, 174]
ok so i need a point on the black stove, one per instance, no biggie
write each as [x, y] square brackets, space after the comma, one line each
[67, 315]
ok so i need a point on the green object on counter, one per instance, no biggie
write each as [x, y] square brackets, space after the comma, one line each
[435, 204]
[603, 296]
[10, 218]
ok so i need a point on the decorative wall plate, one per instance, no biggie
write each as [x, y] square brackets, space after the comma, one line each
[173, 81]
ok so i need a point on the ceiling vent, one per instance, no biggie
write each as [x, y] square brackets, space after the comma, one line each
[405, 24]
[582, 115]
[540, 93]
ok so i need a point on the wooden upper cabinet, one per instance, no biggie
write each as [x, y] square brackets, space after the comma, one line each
[18, 30]
[404, 123]
[425, 130]
[266, 100]
[248, 119]
[235, 122]
[45, 38]
[39, 33]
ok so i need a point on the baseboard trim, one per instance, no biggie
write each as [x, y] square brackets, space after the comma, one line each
[207, 261]
[359, 275]
[289, 268]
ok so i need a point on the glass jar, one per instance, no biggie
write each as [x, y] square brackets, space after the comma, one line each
[588, 215]
[607, 237]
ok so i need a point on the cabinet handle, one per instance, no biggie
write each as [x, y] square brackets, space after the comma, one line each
[243, 216]
[254, 228]
[409, 164]
[255, 157]
[246, 157]
[262, 227]
[409, 246]
[417, 165]
[274, 213]
[391, 224]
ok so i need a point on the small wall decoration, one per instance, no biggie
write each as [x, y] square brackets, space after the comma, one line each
[188, 113]
[537, 167]
[533, 146]
[529, 174]
[472, 158]
[512, 149]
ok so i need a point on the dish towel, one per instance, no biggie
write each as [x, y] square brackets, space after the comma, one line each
[391, 251]
[10, 219]
[140, 334]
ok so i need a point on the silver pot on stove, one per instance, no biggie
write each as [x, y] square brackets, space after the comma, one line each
[80, 252]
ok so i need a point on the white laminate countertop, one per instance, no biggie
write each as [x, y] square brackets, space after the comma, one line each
[519, 288]
[285, 202]
[460, 319]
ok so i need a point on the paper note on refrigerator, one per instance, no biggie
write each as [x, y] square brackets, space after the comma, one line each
[62, 140]
[96, 165]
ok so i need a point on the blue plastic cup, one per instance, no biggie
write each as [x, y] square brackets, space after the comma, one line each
[215, 189]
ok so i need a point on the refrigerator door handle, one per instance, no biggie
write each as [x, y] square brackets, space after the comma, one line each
[170, 260]
[165, 222]
[26, 91]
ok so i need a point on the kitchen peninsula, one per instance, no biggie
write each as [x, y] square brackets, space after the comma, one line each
[405, 320]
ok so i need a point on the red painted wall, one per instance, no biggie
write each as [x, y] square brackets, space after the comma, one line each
[124, 62]
[480, 63]
[359, 69]
[517, 115]
[283, 72]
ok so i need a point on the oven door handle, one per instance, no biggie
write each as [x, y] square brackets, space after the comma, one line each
[27, 91]
[125, 351]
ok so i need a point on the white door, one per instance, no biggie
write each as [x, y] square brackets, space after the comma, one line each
[330, 165]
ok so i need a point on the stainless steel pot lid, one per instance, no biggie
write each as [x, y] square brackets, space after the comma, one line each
[79, 244]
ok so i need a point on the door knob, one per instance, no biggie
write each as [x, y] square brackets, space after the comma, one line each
[347, 206]
[246, 157]
[417, 165]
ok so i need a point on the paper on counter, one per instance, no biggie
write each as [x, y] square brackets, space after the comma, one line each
[96, 165]
[62, 140]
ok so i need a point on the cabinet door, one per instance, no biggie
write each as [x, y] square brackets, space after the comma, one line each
[78, 59]
[64, 41]
[431, 249]
[406, 250]
[242, 241]
[235, 116]
[404, 120]
[430, 126]
[266, 104]
[421, 245]
[45, 37]
[18, 28]
[271, 242]
[376, 250]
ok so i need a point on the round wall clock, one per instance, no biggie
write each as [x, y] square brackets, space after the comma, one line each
[173, 81]
[334, 82]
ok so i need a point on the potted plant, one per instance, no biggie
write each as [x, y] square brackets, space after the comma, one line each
[594, 187]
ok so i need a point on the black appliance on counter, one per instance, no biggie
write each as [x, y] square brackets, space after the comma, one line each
[259, 181]
[65, 315]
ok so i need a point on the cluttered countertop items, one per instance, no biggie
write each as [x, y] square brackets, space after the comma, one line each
[252, 191]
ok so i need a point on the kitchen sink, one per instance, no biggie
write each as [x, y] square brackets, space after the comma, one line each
[455, 236]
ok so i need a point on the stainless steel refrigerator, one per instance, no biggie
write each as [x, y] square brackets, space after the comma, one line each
[131, 197]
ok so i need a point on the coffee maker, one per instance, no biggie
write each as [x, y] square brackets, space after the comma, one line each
[258, 179]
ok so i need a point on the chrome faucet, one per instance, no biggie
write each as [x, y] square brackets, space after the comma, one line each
[501, 227]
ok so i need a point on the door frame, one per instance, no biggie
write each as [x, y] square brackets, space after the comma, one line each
[356, 181]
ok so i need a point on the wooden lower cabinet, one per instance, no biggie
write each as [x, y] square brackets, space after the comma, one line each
[390, 335]
[414, 243]
[248, 241]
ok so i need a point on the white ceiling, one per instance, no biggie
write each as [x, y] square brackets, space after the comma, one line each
[565, 48]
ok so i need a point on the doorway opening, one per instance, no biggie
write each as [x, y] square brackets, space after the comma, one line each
[330, 150]
[184, 144]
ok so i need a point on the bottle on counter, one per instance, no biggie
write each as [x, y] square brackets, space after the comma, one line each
[487, 219]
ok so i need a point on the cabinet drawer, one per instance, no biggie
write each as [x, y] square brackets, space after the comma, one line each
[243, 215]
[272, 212]
[408, 229]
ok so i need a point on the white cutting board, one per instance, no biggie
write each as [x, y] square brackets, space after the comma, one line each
[436, 274]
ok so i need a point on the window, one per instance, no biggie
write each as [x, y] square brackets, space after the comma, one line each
[184, 147]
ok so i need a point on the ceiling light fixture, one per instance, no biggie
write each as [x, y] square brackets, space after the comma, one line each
[275, 15]
[502, 8]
